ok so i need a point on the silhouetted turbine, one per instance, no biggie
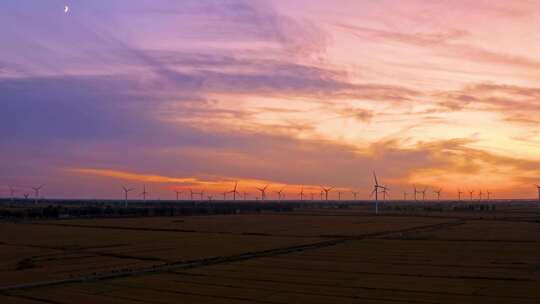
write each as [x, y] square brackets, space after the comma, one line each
[36, 191]
[233, 191]
[144, 193]
[12, 193]
[280, 193]
[178, 194]
[375, 191]
[263, 192]
[438, 193]
[326, 190]
[423, 194]
[384, 192]
[126, 191]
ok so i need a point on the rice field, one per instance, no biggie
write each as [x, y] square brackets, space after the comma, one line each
[300, 257]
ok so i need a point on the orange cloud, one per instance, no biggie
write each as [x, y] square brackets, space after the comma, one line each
[210, 184]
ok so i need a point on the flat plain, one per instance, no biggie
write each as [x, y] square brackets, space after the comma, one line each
[310, 255]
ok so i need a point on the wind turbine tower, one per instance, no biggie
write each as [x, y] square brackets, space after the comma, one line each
[12, 193]
[144, 193]
[326, 190]
[301, 194]
[263, 192]
[233, 191]
[376, 187]
[438, 192]
[384, 192]
[471, 194]
[126, 191]
[178, 194]
[36, 192]
[538, 187]
[280, 194]
[423, 194]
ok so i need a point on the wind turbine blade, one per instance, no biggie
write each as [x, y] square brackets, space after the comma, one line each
[375, 177]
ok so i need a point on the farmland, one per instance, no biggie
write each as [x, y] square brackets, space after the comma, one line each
[307, 255]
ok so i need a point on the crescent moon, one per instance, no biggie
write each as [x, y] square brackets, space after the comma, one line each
[66, 9]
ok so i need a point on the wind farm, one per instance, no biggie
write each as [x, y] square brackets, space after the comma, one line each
[132, 244]
[269, 152]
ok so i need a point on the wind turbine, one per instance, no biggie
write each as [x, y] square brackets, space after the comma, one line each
[233, 191]
[126, 191]
[489, 195]
[321, 195]
[423, 194]
[459, 192]
[26, 195]
[301, 194]
[178, 194]
[538, 187]
[263, 192]
[415, 192]
[376, 191]
[12, 193]
[279, 193]
[438, 193]
[144, 193]
[355, 194]
[225, 195]
[470, 194]
[36, 191]
[339, 195]
[326, 190]
[480, 194]
[384, 192]
[405, 195]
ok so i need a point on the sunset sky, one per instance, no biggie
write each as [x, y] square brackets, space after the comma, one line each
[198, 94]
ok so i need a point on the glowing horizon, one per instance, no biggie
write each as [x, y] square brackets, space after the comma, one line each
[433, 93]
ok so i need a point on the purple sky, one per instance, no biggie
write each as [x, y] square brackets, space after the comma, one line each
[198, 94]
